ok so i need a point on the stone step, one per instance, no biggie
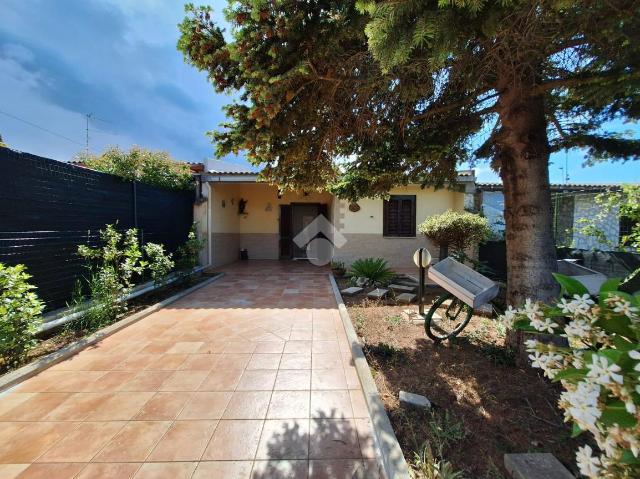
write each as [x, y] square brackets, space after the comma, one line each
[414, 400]
[534, 466]
[405, 298]
[401, 288]
[378, 293]
[352, 291]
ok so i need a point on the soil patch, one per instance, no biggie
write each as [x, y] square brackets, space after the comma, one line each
[485, 405]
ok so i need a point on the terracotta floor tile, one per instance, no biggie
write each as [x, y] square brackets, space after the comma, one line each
[184, 441]
[337, 469]
[365, 437]
[111, 381]
[234, 440]
[121, 406]
[51, 471]
[223, 469]
[333, 439]
[84, 442]
[33, 440]
[42, 382]
[240, 347]
[167, 362]
[166, 470]
[296, 361]
[353, 382]
[135, 362]
[221, 380]
[10, 429]
[328, 379]
[146, 381]
[184, 381]
[35, 407]
[77, 407]
[212, 347]
[289, 404]
[325, 347]
[232, 361]
[358, 403]
[301, 335]
[284, 439]
[199, 362]
[157, 347]
[271, 347]
[331, 404]
[257, 380]
[292, 380]
[206, 405]
[11, 471]
[326, 361]
[297, 347]
[185, 347]
[164, 406]
[282, 469]
[109, 471]
[264, 361]
[248, 405]
[134, 442]
[10, 400]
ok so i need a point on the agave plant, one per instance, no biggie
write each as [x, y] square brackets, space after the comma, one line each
[374, 270]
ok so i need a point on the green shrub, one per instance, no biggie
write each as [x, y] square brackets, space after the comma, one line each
[188, 254]
[454, 229]
[374, 270]
[20, 314]
[152, 167]
[158, 261]
[113, 268]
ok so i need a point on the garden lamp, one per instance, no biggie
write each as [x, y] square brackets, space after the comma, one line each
[422, 259]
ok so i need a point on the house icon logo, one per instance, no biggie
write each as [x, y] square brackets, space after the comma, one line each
[320, 238]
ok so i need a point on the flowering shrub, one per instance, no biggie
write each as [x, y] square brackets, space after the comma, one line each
[599, 369]
[159, 262]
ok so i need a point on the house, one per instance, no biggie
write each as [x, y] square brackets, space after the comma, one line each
[242, 213]
[570, 203]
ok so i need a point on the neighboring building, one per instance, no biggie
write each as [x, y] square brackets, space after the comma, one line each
[269, 221]
[570, 203]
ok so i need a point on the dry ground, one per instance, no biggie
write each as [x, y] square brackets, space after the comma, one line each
[478, 391]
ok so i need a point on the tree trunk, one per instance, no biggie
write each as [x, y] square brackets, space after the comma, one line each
[523, 158]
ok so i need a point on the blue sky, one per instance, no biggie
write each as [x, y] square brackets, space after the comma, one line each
[117, 60]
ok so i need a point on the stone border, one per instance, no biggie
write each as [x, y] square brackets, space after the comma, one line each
[393, 462]
[19, 375]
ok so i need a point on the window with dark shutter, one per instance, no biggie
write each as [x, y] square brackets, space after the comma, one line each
[399, 216]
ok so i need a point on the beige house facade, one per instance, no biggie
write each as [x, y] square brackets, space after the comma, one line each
[238, 212]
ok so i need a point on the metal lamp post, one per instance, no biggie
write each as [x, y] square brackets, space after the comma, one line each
[422, 259]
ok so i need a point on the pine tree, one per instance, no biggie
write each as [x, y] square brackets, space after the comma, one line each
[402, 88]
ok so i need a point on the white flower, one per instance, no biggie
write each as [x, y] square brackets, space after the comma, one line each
[531, 309]
[635, 355]
[624, 307]
[543, 325]
[588, 464]
[531, 345]
[602, 372]
[566, 306]
[581, 304]
[537, 360]
[577, 362]
[578, 328]
[607, 444]
[582, 404]
[509, 316]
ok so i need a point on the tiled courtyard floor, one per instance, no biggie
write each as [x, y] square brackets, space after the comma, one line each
[250, 376]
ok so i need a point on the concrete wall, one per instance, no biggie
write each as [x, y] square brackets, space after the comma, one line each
[363, 229]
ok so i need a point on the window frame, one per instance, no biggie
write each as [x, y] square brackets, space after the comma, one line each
[385, 216]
